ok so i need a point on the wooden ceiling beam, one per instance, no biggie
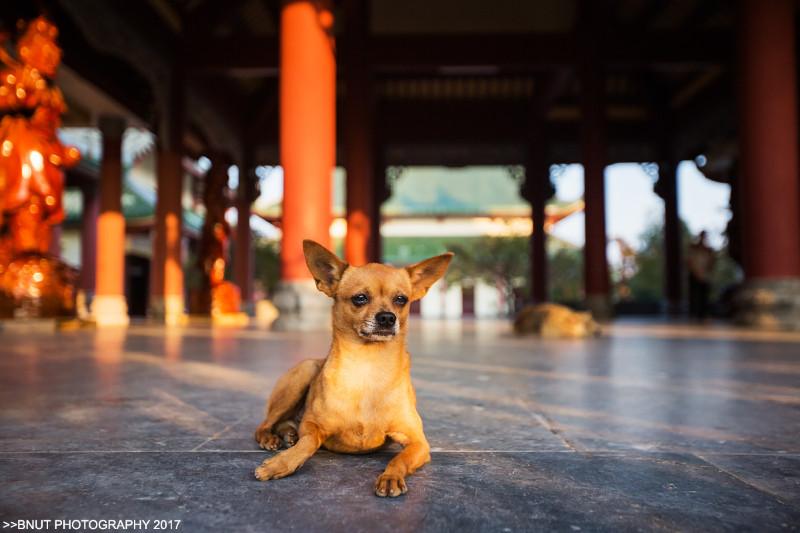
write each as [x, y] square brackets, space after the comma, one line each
[499, 121]
[261, 110]
[482, 123]
[208, 16]
[470, 54]
[247, 54]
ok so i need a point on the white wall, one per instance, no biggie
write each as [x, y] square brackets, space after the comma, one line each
[447, 302]
[488, 301]
[71, 247]
[442, 301]
[453, 302]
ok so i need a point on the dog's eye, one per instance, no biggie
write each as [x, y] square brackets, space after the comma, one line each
[400, 300]
[360, 299]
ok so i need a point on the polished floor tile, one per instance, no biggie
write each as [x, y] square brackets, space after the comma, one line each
[653, 426]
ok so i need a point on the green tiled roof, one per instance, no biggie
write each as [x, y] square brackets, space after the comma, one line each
[424, 191]
[436, 191]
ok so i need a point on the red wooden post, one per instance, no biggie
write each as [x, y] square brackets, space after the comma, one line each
[768, 112]
[673, 264]
[308, 154]
[109, 306]
[358, 109]
[167, 298]
[536, 191]
[91, 210]
[307, 129]
[594, 148]
[243, 240]
[770, 193]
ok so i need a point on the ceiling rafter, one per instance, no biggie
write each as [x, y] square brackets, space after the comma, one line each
[203, 20]
[433, 53]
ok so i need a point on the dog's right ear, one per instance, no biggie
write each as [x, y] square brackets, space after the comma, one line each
[326, 268]
[425, 273]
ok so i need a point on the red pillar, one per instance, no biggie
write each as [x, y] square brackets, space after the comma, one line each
[358, 110]
[109, 306]
[243, 240]
[380, 193]
[594, 149]
[673, 264]
[167, 298]
[155, 301]
[536, 191]
[769, 142]
[169, 226]
[91, 210]
[307, 129]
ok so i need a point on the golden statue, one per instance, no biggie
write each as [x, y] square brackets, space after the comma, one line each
[31, 176]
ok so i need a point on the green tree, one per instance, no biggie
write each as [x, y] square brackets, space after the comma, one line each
[499, 261]
[646, 285]
[268, 264]
[504, 262]
[726, 273]
[565, 275]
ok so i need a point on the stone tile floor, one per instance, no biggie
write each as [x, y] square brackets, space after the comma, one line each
[652, 427]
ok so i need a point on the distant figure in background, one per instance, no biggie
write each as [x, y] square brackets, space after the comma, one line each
[700, 260]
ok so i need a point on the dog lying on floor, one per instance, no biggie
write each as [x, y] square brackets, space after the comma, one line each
[360, 395]
[555, 321]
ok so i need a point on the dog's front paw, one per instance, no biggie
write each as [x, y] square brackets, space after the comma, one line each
[273, 468]
[390, 485]
[268, 440]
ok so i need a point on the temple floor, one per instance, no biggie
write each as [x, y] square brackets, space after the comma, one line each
[654, 426]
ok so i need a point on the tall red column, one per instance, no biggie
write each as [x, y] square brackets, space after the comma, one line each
[536, 190]
[768, 133]
[673, 264]
[166, 297]
[91, 210]
[307, 129]
[243, 240]
[308, 155]
[770, 193]
[169, 227]
[594, 150]
[380, 193]
[109, 306]
[358, 110]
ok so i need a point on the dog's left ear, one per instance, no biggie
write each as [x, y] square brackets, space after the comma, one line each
[326, 268]
[425, 273]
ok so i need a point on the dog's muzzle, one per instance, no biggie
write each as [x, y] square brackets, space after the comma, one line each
[382, 328]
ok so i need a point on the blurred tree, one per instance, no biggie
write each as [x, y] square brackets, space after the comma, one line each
[268, 264]
[727, 274]
[498, 261]
[503, 262]
[565, 276]
[646, 284]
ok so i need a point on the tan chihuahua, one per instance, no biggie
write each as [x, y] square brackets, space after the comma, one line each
[361, 394]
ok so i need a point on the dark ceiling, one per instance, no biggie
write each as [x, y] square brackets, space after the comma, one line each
[447, 73]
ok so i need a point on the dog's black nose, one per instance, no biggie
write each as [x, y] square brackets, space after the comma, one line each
[385, 319]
